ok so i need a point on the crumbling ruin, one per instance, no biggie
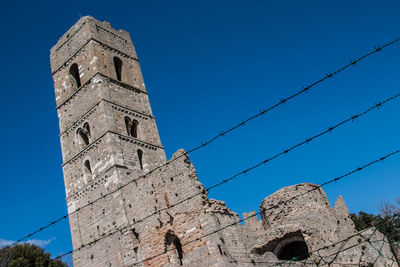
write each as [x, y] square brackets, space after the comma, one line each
[109, 139]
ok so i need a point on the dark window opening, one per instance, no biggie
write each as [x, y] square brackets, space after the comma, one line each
[296, 250]
[290, 247]
[134, 129]
[83, 136]
[87, 167]
[86, 128]
[84, 133]
[127, 125]
[131, 127]
[171, 239]
[220, 250]
[140, 157]
[118, 67]
[135, 233]
[74, 71]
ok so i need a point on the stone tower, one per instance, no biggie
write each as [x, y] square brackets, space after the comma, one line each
[109, 139]
[107, 130]
[129, 206]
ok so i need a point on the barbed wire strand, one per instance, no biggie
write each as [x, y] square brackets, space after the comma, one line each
[341, 249]
[223, 133]
[359, 234]
[224, 181]
[277, 205]
[250, 216]
[311, 260]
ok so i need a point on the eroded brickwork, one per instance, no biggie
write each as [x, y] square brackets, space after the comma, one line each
[109, 140]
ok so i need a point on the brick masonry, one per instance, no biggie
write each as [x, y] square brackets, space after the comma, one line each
[109, 137]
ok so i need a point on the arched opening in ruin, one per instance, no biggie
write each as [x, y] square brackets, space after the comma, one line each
[296, 250]
[118, 67]
[140, 157]
[74, 72]
[131, 127]
[173, 247]
[291, 246]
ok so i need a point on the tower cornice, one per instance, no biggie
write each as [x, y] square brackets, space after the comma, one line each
[70, 59]
[109, 79]
[122, 137]
[114, 105]
[84, 31]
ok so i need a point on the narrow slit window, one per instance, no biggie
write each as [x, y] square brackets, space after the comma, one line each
[134, 128]
[88, 169]
[127, 125]
[74, 72]
[118, 67]
[140, 157]
[220, 249]
[135, 233]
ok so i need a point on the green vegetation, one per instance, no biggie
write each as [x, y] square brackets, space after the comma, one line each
[27, 255]
[387, 222]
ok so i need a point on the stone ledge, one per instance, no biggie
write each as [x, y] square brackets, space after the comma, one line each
[114, 105]
[85, 87]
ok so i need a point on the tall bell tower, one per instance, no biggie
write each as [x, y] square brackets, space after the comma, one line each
[108, 135]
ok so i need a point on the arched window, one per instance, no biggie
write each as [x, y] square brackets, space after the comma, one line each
[84, 133]
[118, 67]
[140, 157]
[134, 128]
[131, 127]
[174, 248]
[88, 169]
[74, 72]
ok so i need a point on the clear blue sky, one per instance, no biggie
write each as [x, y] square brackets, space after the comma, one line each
[208, 65]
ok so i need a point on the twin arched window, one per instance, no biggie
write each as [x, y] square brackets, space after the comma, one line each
[131, 127]
[84, 134]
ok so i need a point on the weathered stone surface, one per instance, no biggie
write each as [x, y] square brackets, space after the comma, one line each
[139, 216]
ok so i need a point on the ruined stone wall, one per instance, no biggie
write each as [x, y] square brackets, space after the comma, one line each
[298, 221]
[129, 206]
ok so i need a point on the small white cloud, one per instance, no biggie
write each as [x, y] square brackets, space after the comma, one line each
[40, 243]
[4, 242]
[37, 242]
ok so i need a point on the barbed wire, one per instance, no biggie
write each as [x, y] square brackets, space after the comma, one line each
[248, 217]
[223, 133]
[343, 242]
[224, 181]
[313, 255]
[284, 203]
